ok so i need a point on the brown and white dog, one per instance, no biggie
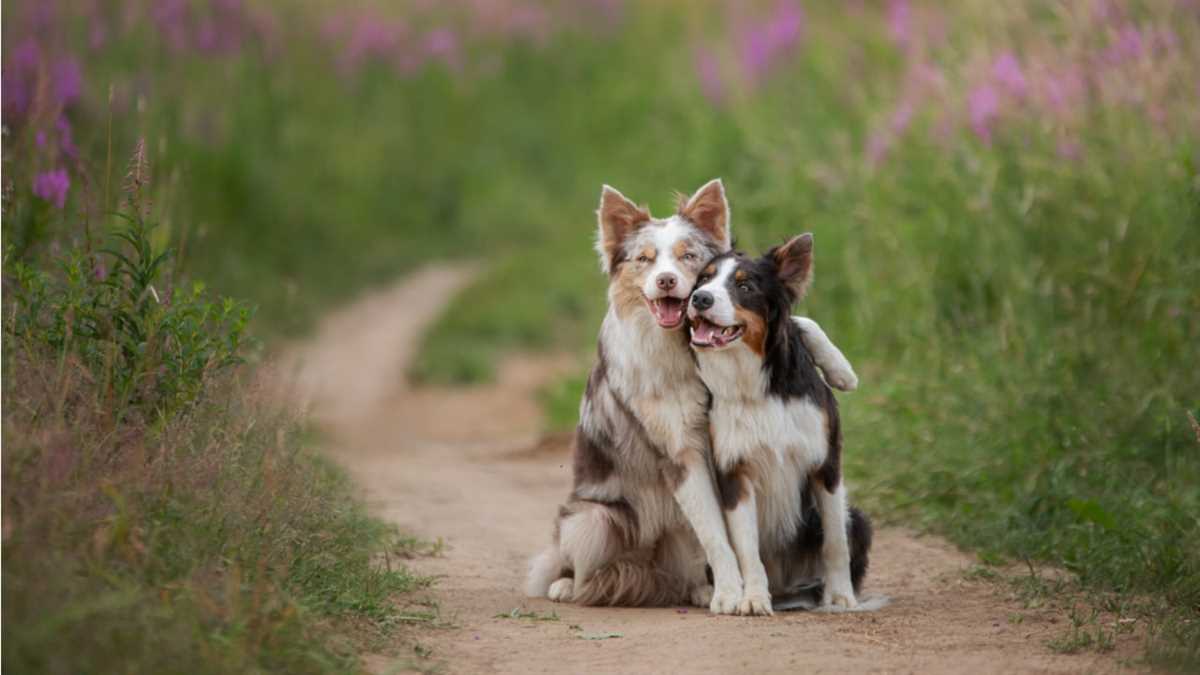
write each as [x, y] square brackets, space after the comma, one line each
[775, 432]
[644, 515]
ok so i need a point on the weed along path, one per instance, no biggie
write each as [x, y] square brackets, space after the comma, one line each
[468, 465]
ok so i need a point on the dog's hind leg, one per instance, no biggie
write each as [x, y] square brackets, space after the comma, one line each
[679, 557]
[545, 573]
[591, 535]
[835, 549]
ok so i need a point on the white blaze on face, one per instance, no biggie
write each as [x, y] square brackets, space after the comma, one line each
[722, 310]
[665, 238]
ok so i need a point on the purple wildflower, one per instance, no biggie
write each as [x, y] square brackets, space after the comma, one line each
[66, 143]
[1103, 11]
[97, 35]
[371, 38]
[67, 81]
[171, 16]
[709, 71]
[52, 186]
[899, 17]
[610, 10]
[20, 77]
[983, 104]
[878, 146]
[902, 117]
[530, 22]
[1007, 71]
[1063, 88]
[442, 43]
[1128, 45]
[26, 56]
[763, 43]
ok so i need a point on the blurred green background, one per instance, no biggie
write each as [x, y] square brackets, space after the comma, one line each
[1005, 199]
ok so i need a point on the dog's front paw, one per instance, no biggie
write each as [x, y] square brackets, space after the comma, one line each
[562, 590]
[725, 600]
[702, 596]
[842, 378]
[756, 602]
[839, 593]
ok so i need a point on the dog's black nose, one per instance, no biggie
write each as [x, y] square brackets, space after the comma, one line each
[702, 300]
[666, 281]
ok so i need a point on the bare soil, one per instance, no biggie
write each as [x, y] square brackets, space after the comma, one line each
[470, 466]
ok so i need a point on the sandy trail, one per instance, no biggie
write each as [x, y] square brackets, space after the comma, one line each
[467, 465]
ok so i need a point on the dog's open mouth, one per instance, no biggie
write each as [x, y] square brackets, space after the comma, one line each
[668, 312]
[708, 334]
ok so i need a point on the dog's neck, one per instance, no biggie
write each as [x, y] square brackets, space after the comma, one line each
[733, 374]
[643, 359]
[785, 369]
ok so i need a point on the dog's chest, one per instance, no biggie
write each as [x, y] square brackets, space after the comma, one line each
[653, 372]
[750, 424]
[777, 445]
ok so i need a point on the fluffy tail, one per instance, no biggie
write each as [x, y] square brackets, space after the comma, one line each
[860, 534]
[544, 569]
[631, 583]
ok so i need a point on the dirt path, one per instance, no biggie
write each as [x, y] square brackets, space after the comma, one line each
[467, 465]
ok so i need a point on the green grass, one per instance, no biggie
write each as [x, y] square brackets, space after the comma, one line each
[225, 543]
[158, 515]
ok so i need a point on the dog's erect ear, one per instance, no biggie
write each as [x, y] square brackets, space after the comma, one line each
[793, 262]
[709, 211]
[619, 218]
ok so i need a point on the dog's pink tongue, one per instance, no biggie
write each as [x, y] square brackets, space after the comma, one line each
[668, 311]
[704, 333]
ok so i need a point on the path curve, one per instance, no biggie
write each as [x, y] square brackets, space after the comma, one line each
[468, 465]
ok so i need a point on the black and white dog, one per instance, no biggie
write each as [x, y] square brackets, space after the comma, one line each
[776, 434]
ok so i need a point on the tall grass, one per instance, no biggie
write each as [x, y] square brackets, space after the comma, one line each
[159, 515]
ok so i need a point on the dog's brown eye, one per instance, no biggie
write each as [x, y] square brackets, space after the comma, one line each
[642, 259]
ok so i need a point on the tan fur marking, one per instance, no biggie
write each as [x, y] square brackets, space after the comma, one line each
[710, 270]
[754, 330]
[680, 248]
[627, 290]
[739, 275]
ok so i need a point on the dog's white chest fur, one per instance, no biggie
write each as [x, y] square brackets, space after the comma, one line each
[782, 442]
[654, 371]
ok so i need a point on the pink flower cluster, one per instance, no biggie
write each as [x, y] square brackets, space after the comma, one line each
[1102, 62]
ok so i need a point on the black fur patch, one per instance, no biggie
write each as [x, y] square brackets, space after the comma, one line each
[731, 485]
[591, 461]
